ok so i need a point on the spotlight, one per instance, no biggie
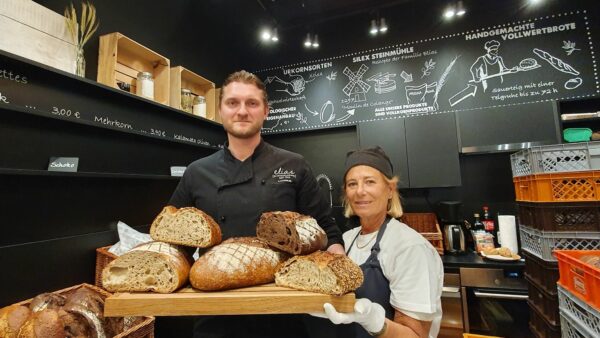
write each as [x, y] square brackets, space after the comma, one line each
[307, 42]
[373, 29]
[450, 12]
[274, 36]
[265, 35]
[382, 26]
[460, 9]
[315, 43]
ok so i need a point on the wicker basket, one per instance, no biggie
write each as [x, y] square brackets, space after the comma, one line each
[426, 224]
[143, 329]
[103, 257]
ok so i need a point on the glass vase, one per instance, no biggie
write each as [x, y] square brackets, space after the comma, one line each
[80, 62]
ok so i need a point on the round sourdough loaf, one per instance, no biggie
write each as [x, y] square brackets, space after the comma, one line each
[12, 318]
[154, 266]
[43, 324]
[322, 272]
[291, 232]
[235, 263]
[186, 226]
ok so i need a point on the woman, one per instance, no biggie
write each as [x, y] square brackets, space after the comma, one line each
[400, 296]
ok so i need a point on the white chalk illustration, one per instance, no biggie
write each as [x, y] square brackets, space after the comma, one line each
[300, 117]
[490, 66]
[274, 126]
[442, 81]
[294, 87]
[331, 76]
[327, 113]
[573, 83]
[406, 76]
[356, 89]
[349, 113]
[424, 93]
[383, 82]
[428, 68]
[569, 47]
[555, 62]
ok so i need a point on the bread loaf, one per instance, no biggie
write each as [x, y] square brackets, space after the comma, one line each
[322, 272]
[237, 262]
[47, 300]
[291, 232]
[154, 266]
[555, 62]
[593, 260]
[43, 324]
[12, 318]
[186, 226]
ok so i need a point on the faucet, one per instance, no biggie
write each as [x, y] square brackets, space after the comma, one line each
[328, 180]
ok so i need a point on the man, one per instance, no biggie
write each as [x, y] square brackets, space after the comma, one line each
[490, 66]
[237, 184]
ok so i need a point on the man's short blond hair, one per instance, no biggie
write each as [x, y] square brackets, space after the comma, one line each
[247, 78]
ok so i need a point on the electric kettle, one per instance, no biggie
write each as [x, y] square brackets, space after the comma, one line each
[454, 236]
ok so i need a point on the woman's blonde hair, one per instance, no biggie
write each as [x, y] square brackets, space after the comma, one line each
[394, 206]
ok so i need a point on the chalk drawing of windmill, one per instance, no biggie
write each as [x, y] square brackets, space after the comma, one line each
[356, 88]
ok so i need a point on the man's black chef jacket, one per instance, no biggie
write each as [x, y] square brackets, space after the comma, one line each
[236, 193]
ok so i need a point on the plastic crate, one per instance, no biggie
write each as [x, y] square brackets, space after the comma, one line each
[545, 303]
[580, 278]
[539, 327]
[542, 243]
[572, 216]
[556, 158]
[426, 224]
[580, 318]
[577, 186]
[142, 327]
[103, 257]
[544, 274]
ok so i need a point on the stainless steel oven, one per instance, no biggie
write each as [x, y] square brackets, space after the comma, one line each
[495, 302]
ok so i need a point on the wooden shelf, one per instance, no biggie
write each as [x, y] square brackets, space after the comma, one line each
[33, 172]
[198, 85]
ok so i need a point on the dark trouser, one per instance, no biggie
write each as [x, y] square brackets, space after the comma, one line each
[259, 326]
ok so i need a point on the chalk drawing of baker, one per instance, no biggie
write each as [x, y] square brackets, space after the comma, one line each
[490, 66]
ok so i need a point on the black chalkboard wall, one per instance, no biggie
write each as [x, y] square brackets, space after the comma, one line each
[513, 63]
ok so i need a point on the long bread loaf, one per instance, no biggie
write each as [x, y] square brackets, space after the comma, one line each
[555, 62]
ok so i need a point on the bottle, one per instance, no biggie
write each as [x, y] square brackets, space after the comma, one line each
[199, 108]
[488, 223]
[477, 224]
[186, 100]
[145, 85]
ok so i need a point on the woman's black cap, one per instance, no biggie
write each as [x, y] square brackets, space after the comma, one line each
[373, 157]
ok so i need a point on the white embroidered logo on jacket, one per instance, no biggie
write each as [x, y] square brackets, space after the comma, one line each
[283, 175]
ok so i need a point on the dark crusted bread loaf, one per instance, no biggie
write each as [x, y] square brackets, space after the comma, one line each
[154, 266]
[12, 318]
[322, 272]
[43, 324]
[291, 232]
[186, 226]
[235, 263]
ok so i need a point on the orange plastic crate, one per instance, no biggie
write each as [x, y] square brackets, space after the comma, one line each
[581, 279]
[574, 186]
[426, 224]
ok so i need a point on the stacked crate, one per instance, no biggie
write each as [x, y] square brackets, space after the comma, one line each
[557, 190]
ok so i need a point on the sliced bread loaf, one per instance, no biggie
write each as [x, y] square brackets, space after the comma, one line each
[186, 226]
[291, 232]
[322, 272]
[154, 266]
[235, 263]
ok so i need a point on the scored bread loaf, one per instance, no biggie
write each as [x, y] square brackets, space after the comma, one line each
[321, 272]
[291, 232]
[12, 318]
[235, 263]
[154, 266]
[186, 226]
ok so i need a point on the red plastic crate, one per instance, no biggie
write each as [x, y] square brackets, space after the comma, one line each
[577, 186]
[581, 279]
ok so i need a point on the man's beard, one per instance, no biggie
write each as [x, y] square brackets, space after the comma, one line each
[245, 133]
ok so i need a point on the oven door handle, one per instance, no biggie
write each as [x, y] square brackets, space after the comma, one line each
[480, 294]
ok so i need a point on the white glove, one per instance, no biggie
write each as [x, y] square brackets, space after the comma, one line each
[371, 316]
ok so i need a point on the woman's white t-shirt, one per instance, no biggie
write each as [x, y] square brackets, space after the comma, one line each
[412, 266]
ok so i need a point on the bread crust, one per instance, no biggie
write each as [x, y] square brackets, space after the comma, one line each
[12, 318]
[185, 235]
[125, 272]
[291, 232]
[235, 263]
[346, 275]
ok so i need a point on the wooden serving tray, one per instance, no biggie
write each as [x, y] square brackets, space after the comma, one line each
[261, 299]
